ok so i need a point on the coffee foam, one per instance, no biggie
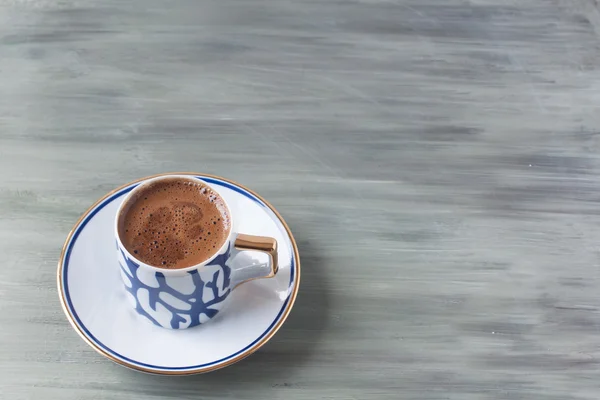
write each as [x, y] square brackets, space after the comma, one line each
[174, 223]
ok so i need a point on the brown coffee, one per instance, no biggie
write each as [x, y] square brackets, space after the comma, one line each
[174, 223]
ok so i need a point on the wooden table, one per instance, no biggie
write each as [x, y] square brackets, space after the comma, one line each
[437, 160]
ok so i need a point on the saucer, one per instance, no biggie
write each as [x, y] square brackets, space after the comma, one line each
[95, 302]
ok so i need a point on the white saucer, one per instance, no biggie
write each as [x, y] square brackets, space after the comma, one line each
[93, 297]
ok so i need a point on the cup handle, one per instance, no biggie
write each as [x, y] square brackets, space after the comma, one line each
[263, 244]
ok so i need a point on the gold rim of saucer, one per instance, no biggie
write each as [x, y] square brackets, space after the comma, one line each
[239, 357]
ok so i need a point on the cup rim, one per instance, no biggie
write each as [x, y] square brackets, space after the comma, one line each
[166, 271]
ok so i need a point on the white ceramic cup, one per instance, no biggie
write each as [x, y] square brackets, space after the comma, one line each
[186, 297]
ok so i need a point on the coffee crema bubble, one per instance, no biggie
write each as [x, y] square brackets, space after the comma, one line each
[174, 223]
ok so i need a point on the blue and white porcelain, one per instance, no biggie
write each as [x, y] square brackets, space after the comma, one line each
[184, 298]
[98, 305]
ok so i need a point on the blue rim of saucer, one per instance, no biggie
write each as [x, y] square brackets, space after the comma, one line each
[128, 362]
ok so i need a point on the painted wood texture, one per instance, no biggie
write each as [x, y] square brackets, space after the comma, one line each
[437, 161]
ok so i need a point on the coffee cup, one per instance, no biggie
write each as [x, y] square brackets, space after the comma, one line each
[170, 293]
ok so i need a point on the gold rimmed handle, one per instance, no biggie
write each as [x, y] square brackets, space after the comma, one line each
[264, 244]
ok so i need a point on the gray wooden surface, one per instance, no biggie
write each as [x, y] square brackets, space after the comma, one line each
[437, 161]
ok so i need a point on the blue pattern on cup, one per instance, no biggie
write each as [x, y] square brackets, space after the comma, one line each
[195, 310]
